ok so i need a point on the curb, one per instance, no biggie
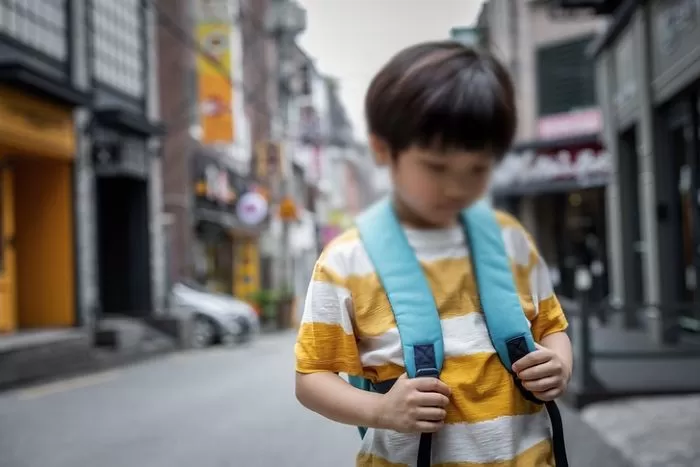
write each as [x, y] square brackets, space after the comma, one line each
[95, 363]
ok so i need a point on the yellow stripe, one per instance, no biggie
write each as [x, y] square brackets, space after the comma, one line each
[481, 388]
[326, 347]
[365, 459]
[506, 220]
[322, 273]
[450, 280]
[540, 455]
[550, 318]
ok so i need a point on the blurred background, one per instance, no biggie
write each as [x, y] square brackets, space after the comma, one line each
[171, 169]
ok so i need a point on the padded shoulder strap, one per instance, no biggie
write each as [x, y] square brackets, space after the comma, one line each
[505, 319]
[406, 287]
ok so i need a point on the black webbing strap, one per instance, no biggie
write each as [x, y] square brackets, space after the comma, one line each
[516, 351]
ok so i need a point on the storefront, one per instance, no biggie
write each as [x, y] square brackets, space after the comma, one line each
[652, 127]
[230, 214]
[38, 153]
[37, 270]
[557, 188]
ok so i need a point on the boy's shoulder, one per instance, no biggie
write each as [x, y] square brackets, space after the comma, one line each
[342, 253]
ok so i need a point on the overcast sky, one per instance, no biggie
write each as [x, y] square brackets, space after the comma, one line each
[352, 39]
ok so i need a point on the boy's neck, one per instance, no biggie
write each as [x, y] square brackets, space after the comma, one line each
[410, 219]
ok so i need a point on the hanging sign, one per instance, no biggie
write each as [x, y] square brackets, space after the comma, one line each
[252, 208]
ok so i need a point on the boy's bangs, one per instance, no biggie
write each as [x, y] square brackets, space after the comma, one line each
[470, 113]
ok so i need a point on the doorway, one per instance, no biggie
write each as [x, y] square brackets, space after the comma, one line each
[123, 246]
[631, 219]
[684, 215]
[37, 269]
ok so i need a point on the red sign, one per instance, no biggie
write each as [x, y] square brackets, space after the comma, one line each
[576, 123]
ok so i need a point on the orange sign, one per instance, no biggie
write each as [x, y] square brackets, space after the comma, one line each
[215, 83]
[31, 125]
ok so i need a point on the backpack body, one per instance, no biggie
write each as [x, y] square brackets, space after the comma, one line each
[416, 314]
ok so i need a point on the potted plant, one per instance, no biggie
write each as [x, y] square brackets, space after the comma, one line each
[265, 303]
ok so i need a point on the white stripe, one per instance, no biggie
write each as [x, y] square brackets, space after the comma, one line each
[540, 283]
[327, 303]
[463, 335]
[517, 245]
[493, 441]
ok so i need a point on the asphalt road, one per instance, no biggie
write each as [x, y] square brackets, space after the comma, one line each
[225, 407]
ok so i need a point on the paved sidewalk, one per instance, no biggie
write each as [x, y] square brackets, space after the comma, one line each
[585, 446]
[651, 432]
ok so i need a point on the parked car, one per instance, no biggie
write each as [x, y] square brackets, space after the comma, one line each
[217, 318]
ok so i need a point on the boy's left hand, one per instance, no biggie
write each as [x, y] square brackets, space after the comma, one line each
[543, 373]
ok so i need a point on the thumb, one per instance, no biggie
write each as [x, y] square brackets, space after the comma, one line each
[540, 347]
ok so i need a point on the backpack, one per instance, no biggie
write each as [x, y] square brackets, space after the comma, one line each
[416, 314]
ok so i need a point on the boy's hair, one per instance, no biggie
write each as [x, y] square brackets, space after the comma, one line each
[443, 95]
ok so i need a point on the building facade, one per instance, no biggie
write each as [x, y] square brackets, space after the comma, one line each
[558, 162]
[81, 224]
[215, 191]
[648, 69]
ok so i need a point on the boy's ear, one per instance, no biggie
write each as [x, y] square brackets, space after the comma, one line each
[381, 150]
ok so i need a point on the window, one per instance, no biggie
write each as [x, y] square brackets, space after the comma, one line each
[118, 49]
[39, 24]
[565, 77]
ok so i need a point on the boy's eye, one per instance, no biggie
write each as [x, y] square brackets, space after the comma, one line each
[436, 168]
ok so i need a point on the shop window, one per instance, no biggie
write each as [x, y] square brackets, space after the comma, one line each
[39, 24]
[118, 48]
[565, 77]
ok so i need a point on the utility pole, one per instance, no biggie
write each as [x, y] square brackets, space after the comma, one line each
[287, 20]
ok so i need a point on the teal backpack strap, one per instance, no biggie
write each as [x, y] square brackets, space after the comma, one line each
[406, 287]
[410, 297]
[505, 319]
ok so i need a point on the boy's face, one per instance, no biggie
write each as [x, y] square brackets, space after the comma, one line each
[436, 185]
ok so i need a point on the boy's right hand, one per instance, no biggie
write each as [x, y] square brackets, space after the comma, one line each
[414, 405]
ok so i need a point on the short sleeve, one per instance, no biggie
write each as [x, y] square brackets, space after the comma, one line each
[549, 317]
[326, 340]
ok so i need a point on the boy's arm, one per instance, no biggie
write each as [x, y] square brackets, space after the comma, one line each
[549, 324]
[331, 396]
[327, 345]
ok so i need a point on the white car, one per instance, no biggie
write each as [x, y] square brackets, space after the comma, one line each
[216, 318]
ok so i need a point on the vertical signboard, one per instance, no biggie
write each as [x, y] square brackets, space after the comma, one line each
[215, 84]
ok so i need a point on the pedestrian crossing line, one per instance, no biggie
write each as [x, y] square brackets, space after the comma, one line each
[48, 389]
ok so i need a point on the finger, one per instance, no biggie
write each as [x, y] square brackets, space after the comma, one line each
[403, 376]
[431, 385]
[538, 372]
[542, 385]
[428, 427]
[537, 357]
[430, 414]
[547, 396]
[432, 399]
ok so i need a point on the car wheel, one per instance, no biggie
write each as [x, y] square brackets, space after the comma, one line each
[203, 332]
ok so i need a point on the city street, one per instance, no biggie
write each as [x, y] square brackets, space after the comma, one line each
[225, 407]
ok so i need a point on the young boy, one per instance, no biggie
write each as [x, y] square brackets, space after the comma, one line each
[439, 115]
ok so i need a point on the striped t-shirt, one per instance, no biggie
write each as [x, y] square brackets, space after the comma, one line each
[348, 327]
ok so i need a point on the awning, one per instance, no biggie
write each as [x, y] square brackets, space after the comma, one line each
[553, 166]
